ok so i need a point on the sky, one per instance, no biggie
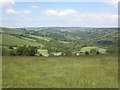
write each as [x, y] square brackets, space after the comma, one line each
[59, 14]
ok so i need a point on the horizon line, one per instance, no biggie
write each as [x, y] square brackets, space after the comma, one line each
[60, 27]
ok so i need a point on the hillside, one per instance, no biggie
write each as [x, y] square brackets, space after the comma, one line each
[62, 39]
[12, 31]
[14, 41]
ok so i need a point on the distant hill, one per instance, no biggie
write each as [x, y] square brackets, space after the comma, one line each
[11, 40]
[11, 37]
[61, 38]
[12, 31]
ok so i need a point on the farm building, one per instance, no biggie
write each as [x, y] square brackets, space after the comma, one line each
[80, 53]
[45, 55]
[56, 54]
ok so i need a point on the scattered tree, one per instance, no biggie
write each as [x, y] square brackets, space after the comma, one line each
[86, 53]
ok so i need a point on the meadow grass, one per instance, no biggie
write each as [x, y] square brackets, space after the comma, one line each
[28, 39]
[42, 38]
[64, 42]
[60, 72]
[93, 47]
[43, 51]
[11, 40]
[12, 31]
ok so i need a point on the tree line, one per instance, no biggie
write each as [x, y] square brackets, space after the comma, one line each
[20, 51]
[33, 50]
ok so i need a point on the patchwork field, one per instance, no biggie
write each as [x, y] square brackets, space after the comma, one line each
[12, 31]
[60, 72]
[43, 51]
[42, 38]
[11, 40]
[103, 51]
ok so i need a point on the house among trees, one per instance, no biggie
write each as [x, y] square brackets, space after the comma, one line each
[45, 55]
[57, 54]
[80, 53]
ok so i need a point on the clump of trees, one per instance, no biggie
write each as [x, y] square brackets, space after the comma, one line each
[86, 53]
[20, 51]
[92, 52]
[26, 51]
[67, 53]
[33, 51]
[5, 51]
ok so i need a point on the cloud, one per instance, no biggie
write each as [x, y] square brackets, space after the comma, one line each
[98, 16]
[95, 19]
[59, 13]
[113, 3]
[3, 19]
[67, 12]
[50, 12]
[11, 11]
[6, 3]
[84, 19]
[26, 12]
[34, 6]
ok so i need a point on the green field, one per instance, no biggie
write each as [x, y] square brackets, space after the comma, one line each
[42, 38]
[12, 31]
[28, 39]
[43, 51]
[103, 51]
[60, 72]
[64, 42]
[11, 40]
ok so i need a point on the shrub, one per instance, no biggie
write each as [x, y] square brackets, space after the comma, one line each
[12, 52]
[67, 53]
[86, 53]
[5, 51]
[26, 51]
[94, 52]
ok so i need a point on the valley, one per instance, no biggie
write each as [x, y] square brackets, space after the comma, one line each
[62, 39]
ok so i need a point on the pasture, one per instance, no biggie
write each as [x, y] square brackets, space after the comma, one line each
[101, 50]
[12, 31]
[42, 38]
[11, 40]
[42, 51]
[98, 71]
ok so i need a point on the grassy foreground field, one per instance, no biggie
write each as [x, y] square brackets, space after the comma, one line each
[60, 72]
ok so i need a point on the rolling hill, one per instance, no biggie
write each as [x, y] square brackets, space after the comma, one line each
[60, 39]
[11, 40]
